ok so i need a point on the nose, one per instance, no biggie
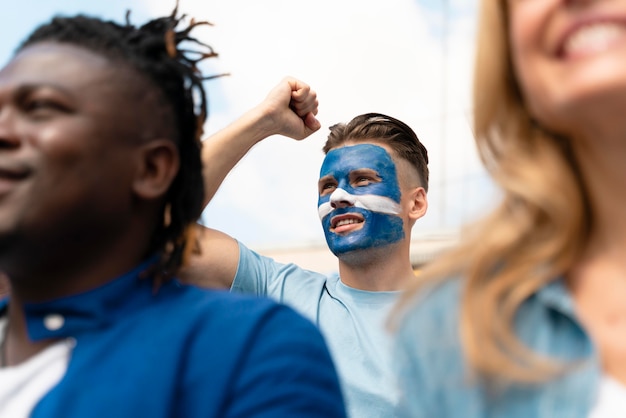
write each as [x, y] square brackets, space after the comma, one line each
[341, 199]
[9, 137]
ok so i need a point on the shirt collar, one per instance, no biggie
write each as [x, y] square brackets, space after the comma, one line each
[71, 315]
[556, 296]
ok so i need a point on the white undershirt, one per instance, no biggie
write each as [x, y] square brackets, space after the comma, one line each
[611, 402]
[22, 386]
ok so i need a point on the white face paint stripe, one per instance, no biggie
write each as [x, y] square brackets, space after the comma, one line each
[377, 203]
[371, 202]
[324, 209]
[340, 195]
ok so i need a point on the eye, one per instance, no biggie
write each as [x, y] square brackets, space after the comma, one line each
[364, 177]
[39, 104]
[327, 187]
[41, 108]
[363, 181]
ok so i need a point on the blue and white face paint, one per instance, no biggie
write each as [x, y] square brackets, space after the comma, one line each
[359, 199]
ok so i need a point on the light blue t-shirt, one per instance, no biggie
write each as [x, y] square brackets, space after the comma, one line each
[435, 377]
[352, 321]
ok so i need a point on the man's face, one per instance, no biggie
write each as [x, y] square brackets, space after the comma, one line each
[66, 145]
[359, 199]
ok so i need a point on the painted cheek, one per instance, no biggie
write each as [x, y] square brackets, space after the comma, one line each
[323, 199]
[323, 209]
[384, 189]
[389, 187]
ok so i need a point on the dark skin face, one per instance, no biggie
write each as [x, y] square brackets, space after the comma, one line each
[72, 142]
[83, 174]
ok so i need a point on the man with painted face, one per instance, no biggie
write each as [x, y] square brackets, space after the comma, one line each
[359, 197]
[372, 189]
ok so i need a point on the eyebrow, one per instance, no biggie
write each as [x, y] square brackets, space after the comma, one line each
[365, 170]
[25, 89]
[29, 91]
[327, 177]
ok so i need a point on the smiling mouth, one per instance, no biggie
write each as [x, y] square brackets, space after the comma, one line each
[9, 178]
[12, 174]
[591, 38]
[346, 223]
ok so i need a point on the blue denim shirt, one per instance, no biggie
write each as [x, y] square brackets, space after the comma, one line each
[433, 374]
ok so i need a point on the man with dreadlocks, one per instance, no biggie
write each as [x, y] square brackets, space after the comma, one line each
[95, 121]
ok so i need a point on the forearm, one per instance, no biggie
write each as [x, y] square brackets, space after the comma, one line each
[223, 150]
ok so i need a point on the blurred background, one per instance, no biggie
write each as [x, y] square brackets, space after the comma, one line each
[411, 59]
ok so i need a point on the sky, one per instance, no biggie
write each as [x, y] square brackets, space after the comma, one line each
[403, 58]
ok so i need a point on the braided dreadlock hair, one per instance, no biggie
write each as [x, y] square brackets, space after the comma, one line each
[154, 51]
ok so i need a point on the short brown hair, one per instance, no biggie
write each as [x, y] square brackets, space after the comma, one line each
[376, 126]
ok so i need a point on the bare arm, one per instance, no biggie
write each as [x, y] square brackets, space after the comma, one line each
[289, 110]
[216, 263]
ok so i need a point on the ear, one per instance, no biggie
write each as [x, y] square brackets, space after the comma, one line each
[157, 168]
[418, 204]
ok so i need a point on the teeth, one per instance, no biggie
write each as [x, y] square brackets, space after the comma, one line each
[346, 222]
[593, 38]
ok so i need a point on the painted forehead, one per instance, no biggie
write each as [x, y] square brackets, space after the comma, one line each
[341, 161]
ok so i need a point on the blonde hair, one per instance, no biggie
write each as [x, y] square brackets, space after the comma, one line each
[532, 237]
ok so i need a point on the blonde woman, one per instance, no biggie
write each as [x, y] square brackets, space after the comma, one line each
[527, 318]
